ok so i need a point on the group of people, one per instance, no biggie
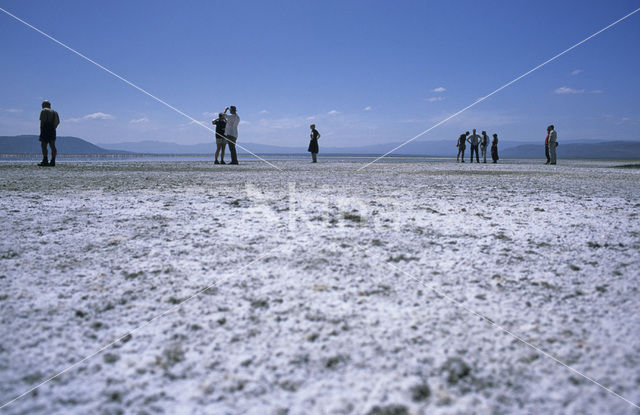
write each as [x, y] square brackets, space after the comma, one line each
[226, 132]
[477, 141]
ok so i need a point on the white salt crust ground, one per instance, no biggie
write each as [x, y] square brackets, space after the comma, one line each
[323, 300]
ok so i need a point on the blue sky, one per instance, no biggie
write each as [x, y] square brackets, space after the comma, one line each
[365, 72]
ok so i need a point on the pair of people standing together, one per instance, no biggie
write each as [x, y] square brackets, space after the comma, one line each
[477, 141]
[226, 132]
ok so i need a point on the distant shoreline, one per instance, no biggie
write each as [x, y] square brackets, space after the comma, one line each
[150, 157]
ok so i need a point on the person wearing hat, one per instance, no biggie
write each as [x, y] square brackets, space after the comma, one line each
[231, 131]
[49, 121]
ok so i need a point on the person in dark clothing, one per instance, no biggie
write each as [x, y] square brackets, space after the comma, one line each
[49, 121]
[313, 144]
[221, 140]
[484, 143]
[462, 145]
[474, 140]
[494, 149]
[546, 148]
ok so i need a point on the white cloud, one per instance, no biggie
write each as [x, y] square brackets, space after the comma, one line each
[439, 89]
[434, 99]
[563, 90]
[597, 91]
[93, 116]
[617, 120]
[577, 71]
[333, 112]
[264, 112]
[98, 116]
[139, 120]
[13, 110]
[367, 108]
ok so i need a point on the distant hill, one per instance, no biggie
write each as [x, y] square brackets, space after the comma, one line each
[436, 148]
[29, 144]
[429, 148]
[604, 150]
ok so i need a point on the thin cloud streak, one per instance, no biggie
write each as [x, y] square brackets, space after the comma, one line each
[564, 90]
[93, 116]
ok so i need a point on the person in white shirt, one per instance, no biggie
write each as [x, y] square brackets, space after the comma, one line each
[553, 136]
[474, 140]
[484, 143]
[231, 131]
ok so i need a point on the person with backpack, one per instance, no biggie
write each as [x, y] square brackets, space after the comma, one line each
[484, 143]
[313, 144]
[49, 121]
[462, 145]
[221, 141]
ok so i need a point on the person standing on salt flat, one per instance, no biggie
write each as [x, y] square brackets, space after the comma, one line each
[546, 147]
[231, 132]
[553, 136]
[494, 149]
[462, 145]
[313, 144]
[474, 140]
[221, 142]
[49, 121]
[484, 143]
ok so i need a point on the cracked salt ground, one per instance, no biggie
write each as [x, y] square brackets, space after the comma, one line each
[329, 320]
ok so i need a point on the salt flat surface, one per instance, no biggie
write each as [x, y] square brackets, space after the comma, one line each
[322, 280]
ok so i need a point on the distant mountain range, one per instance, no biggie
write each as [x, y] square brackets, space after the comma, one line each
[28, 144]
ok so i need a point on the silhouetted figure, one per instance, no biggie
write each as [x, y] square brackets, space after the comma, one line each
[462, 145]
[313, 144]
[546, 147]
[231, 132]
[49, 121]
[494, 149]
[221, 142]
[474, 140]
[553, 136]
[484, 143]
